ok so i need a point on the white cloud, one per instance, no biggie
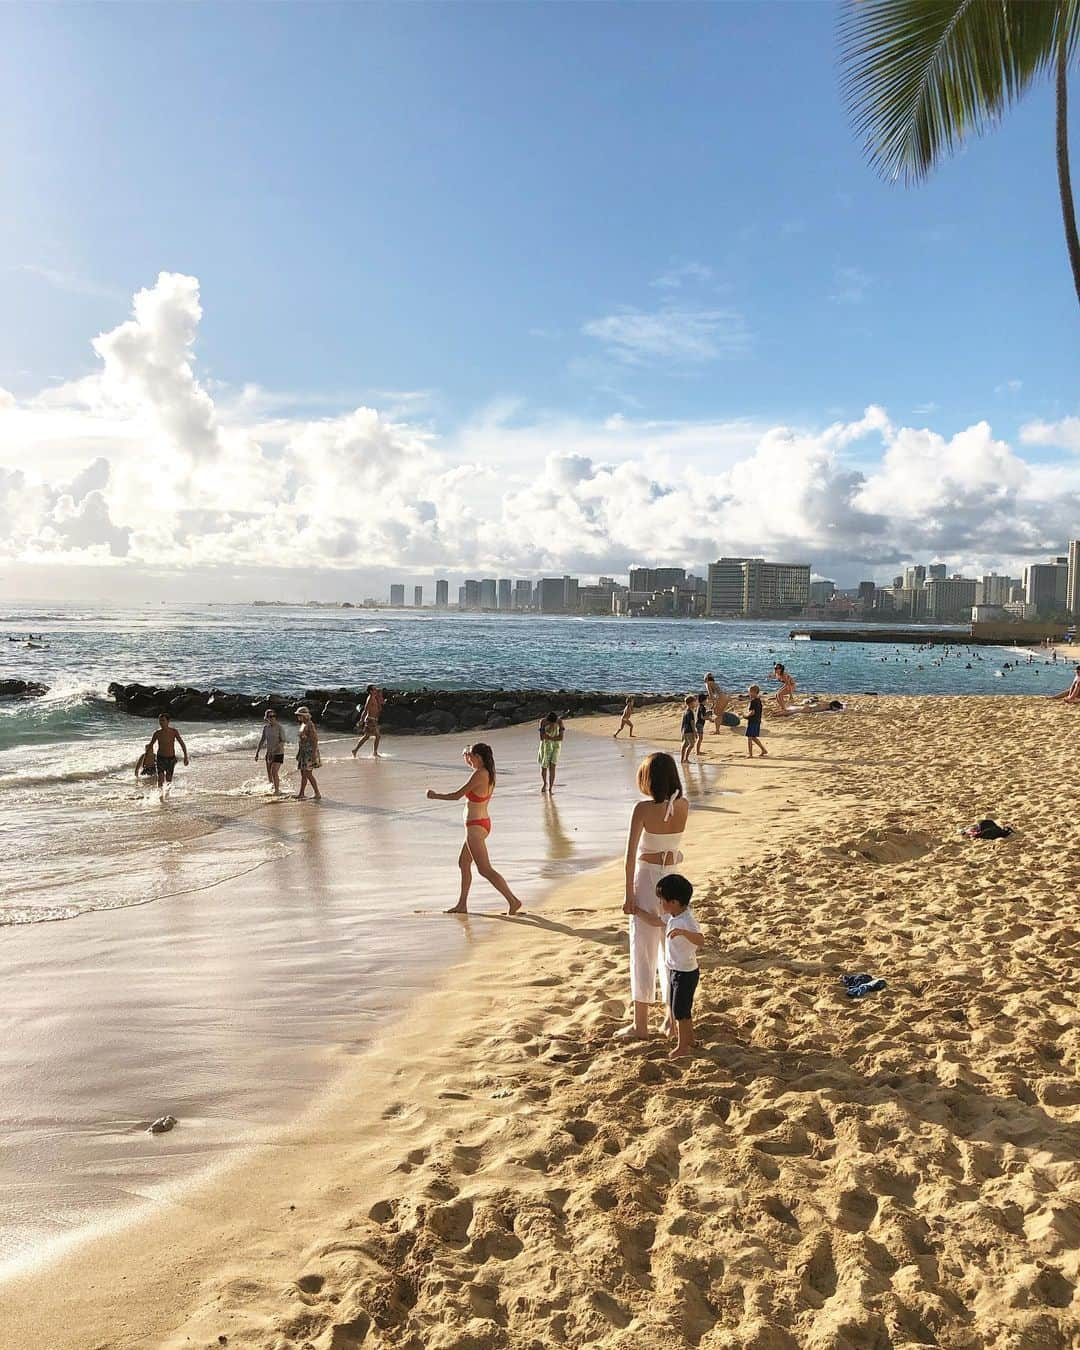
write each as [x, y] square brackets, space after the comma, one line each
[136, 467]
[671, 336]
[677, 275]
[1064, 434]
[850, 285]
[72, 282]
[1009, 387]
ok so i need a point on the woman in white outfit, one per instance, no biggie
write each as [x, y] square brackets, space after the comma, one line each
[652, 850]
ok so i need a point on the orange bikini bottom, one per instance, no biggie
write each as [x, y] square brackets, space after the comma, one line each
[483, 824]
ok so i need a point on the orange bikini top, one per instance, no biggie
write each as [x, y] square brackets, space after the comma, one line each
[473, 797]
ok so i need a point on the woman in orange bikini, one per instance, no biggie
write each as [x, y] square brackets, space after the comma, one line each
[477, 792]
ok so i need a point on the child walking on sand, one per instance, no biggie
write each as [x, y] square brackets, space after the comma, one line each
[683, 937]
[701, 718]
[689, 728]
[627, 717]
[753, 722]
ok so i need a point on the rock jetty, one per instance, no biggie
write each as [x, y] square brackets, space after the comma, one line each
[22, 689]
[409, 712]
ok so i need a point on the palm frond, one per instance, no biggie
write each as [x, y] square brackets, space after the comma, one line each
[921, 75]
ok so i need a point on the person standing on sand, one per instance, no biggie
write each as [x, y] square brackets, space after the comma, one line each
[682, 938]
[753, 723]
[700, 718]
[273, 742]
[369, 720]
[688, 729]
[786, 692]
[1072, 694]
[719, 702]
[477, 791]
[552, 732]
[164, 741]
[307, 754]
[627, 717]
[656, 829]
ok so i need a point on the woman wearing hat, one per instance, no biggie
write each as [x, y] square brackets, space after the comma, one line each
[307, 754]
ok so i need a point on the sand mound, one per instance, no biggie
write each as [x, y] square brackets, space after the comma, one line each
[887, 845]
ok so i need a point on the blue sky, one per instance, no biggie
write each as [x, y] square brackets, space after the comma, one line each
[566, 213]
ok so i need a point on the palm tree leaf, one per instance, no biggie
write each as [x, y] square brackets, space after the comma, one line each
[921, 75]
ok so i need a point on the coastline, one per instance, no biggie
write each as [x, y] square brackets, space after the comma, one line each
[822, 1173]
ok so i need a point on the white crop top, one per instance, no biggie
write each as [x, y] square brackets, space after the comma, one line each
[662, 843]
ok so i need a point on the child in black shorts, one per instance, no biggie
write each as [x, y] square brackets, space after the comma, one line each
[683, 938]
[753, 722]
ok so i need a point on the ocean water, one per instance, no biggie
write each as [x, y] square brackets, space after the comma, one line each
[66, 760]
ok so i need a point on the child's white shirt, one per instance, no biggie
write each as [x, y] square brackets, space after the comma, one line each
[681, 953]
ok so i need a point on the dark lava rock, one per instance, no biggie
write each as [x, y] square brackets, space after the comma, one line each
[22, 689]
[407, 712]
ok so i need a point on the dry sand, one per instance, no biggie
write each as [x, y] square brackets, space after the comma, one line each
[900, 1170]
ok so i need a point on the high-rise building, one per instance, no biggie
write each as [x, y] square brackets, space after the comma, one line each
[472, 595]
[753, 586]
[461, 594]
[397, 596]
[442, 594]
[551, 595]
[506, 593]
[937, 572]
[418, 597]
[822, 591]
[1046, 585]
[867, 591]
[489, 595]
[949, 598]
[570, 594]
[725, 586]
[775, 586]
[914, 577]
[911, 601]
[898, 583]
[523, 593]
[1072, 581]
[995, 590]
[656, 578]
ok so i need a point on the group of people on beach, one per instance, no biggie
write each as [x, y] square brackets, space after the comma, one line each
[664, 935]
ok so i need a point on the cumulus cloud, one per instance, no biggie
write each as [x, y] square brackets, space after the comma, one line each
[137, 467]
[1064, 434]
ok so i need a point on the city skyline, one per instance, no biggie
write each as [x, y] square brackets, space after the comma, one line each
[751, 586]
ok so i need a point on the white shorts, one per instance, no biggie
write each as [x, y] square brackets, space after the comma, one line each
[647, 966]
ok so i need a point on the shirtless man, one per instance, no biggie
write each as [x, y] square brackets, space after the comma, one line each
[1072, 694]
[369, 720]
[164, 741]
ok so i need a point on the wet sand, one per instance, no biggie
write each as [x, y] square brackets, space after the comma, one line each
[496, 1171]
[229, 1004]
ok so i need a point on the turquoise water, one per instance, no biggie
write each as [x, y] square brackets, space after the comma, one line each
[76, 733]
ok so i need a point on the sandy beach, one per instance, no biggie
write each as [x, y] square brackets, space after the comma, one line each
[495, 1171]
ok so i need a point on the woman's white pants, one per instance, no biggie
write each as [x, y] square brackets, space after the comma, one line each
[647, 964]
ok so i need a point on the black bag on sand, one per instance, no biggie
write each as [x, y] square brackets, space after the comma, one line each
[988, 829]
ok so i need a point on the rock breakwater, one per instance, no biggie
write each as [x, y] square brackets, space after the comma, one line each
[415, 712]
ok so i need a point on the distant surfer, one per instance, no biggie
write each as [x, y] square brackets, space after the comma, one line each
[164, 741]
[369, 720]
